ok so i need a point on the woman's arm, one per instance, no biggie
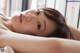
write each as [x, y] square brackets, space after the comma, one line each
[32, 44]
[69, 46]
[27, 44]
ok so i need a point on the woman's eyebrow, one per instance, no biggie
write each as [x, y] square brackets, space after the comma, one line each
[44, 25]
[38, 10]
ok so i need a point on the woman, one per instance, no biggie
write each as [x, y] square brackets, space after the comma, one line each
[42, 22]
[46, 22]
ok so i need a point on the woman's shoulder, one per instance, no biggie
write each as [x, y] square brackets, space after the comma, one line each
[75, 32]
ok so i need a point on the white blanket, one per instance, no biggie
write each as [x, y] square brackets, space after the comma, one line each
[6, 49]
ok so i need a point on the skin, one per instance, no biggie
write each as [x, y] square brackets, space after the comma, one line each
[26, 44]
[22, 43]
[29, 23]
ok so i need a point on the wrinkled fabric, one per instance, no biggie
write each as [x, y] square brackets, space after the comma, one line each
[6, 49]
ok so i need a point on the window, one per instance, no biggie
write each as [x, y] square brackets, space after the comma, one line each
[14, 7]
[25, 4]
[72, 13]
[37, 4]
[10, 7]
[79, 18]
[2, 6]
[42, 3]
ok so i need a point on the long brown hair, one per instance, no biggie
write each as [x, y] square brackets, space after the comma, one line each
[62, 30]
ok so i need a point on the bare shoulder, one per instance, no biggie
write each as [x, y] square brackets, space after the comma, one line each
[75, 32]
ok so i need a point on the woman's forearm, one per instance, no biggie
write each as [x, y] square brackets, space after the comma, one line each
[28, 44]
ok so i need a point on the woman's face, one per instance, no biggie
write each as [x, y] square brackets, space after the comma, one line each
[33, 22]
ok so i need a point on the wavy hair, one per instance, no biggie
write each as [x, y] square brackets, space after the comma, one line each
[62, 30]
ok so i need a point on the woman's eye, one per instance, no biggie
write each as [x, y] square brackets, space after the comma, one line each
[38, 25]
[38, 12]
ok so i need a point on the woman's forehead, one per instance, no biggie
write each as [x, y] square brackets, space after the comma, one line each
[35, 10]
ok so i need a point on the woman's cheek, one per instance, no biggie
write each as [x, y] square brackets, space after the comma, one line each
[31, 29]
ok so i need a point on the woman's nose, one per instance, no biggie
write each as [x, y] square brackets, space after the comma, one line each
[28, 17]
